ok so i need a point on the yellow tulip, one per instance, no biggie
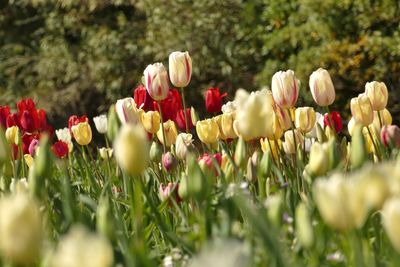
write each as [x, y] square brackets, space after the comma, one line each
[131, 149]
[225, 124]
[151, 121]
[170, 133]
[12, 135]
[208, 131]
[386, 119]
[305, 119]
[28, 160]
[284, 116]
[82, 133]
[106, 153]
[361, 109]
[378, 94]
[289, 144]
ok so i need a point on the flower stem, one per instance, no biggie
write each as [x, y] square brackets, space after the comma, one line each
[162, 126]
[374, 143]
[184, 109]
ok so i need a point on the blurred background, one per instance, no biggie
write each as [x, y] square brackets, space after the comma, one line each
[77, 57]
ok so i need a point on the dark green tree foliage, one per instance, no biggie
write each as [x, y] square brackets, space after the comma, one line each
[79, 56]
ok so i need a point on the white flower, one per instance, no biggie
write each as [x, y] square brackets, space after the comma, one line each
[80, 248]
[65, 135]
[183, 141]
[101, 123]
[229, 107]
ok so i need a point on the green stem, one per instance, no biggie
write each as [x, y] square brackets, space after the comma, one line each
[374, 143]
[184, 109]
[162, 126]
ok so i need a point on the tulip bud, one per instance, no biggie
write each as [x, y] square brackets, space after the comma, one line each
[285, 88]
[4, 148]
[358, 149]
[156, 81]
[225, 123]
[265, 164]
[240, 153]
[208, 131]
[180, 68]
[361, 109]
[131, 149]
[305, 119]
[335, 118]
[155, 152]
[386, 119]
[322, 88]
[289, 144]
[20, 229]
[106, 153]
[82, 133]
[252, 164]
[194, 116]
[151, 121]
[12, 135]
[318, 164]
[101, 123]
[214, 100]
[391, 221]
[113, 123]
[127, 111]
[183, 143]
[377, 94]
[168, 161]
[170, 133]
[390, 136]
[28, 160]
[304, 229]
[194, 184]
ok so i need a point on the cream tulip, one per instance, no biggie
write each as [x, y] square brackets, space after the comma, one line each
[285, 88]
[361, 109]
[127, 111]
[378, 94]
[156, 81]
[180, 68]
[321, 87]
[305, 118]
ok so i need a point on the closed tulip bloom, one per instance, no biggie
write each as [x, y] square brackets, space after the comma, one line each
[101, 123]
[106, 153]
[20, 229]
[350, 126]
[180, 68]
[322, 88]
[127, 111]
[183, 143]
[82, 133]
[60, 149]
[336, 119]
[170, 133]
[12, 135]
[391, 221]
[226, 126]
[285, 88]
[151, 121]
[208, 131]
[131, 149]
[361, 109]
[156, 81]
[390, 136]
[305, 119]
[285, 120]
[213, 98]
[319, 163]
[378, 94]
[289, 144]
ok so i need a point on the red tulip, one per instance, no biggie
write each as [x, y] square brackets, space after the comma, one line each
[208, 160]
[4, 112]
[337, 121]
[26, 104]
[12, 120]
[27, 140]
[170, 105]
[180, 119]
[165, 192]
[29, 120]
[390, 135]
[60, 149]
[214, 100]
[142, 98]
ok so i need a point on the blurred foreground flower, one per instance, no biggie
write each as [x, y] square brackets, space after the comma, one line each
[80, 248]
[391, 221]
[20, 229]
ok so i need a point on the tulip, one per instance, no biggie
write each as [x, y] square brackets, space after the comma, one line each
[336, 119]
[170, 133]
[390, 136]
[391, 221]
[106, 153]
[170, 105]
[82, 248]
[142, 98]
[285, 120]
[29, 120]
[377, 94]
[20, 229]
[214, 100]
[32, 146]
[28, 160]
[155, 152]
[285, 88]
[12, 135]
[180, 68]
[132, 149]
[19, 186]
[168, 161]
[206, 162]
[82, 133]
[322, 88]
[208, 131]
[254, 113]
[180, 119]
[60, 149]
[358, 147]
[305, 119]
[151, 121]
[289, 144]
[225, 124]
[156, 81]
[4, 148]
[65, 136]
[361, 109]
[166, 191]
[4, 113]
[319, 163]
[265, 147]
[74, 120]
[127, 111]
[183, 142]
[101, 123]
[229, 107]
[384, 120]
